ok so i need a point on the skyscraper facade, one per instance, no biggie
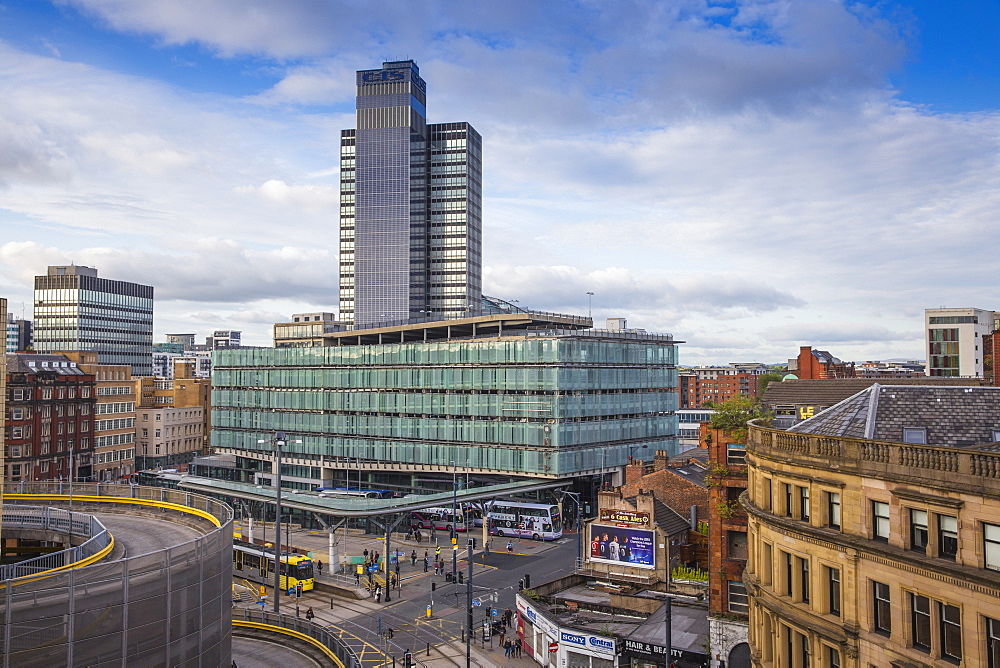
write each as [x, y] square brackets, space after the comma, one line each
[410, 206]
[75, 311]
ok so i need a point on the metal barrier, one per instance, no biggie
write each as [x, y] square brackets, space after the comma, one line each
[42, 518]
[170, 606]
[315, 631]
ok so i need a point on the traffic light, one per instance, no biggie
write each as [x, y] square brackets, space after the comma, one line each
[434, 585]
[461, 577]
[298, 590]
[527, 581]
[407, 659]
[520, 583]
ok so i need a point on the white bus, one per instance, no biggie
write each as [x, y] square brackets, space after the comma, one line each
[540, 521]
[437, 518]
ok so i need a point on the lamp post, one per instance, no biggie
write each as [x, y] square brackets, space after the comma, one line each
[278, 442]
[579, 524]
[590, 305]
[454, 522]
[638, 447]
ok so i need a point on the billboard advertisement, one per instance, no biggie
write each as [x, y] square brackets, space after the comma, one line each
[622, 546]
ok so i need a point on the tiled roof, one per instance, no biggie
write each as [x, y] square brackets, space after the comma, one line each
[953, 416]
[832, 391]
[671, 522]
[692, 473]
[38, 362]
[701, 454]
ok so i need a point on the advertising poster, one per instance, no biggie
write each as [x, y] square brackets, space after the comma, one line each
[622, 546]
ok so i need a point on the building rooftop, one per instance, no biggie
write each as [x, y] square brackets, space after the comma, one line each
[38, 362]
[691, 472]
[831, 391]
[950, 416]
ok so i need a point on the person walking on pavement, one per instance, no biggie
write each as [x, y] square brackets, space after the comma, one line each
[413, 558]
[378, 594]
[427, 564]
[510, 547]
[319, 566]
[310, 614]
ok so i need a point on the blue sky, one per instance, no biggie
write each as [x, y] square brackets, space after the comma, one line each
[749, 176]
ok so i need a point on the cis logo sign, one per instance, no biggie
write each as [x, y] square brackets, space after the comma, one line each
[382, 75]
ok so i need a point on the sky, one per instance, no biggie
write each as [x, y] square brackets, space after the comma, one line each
[749, 176]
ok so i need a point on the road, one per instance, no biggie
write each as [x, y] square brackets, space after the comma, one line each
[358, 622]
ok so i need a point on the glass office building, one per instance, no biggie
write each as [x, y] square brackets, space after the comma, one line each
[410, 206]
[75, 311]
[532, 403]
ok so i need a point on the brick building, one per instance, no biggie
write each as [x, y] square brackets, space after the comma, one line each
[819, 365]
[727, 546]
[49, 417]
[172, 418]
[718, 383]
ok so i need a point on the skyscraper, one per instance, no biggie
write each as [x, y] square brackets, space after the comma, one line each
[75, 311]
[411, 201]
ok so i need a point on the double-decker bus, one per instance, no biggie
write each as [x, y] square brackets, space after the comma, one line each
[437, 518]
[540, 521]
[256, 563]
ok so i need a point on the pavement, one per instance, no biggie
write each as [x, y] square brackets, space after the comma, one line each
[438, 640]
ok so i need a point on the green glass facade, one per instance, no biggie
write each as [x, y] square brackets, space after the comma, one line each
[552, 406]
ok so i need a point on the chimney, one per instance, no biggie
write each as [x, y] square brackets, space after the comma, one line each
[634, 471]
[660, 460]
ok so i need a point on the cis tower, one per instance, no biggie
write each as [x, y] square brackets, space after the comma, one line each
[410, 206]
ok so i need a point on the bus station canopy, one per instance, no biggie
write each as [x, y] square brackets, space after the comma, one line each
[360, 506]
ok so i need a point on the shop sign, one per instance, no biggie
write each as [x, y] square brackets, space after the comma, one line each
[591, 642]
[624, 517]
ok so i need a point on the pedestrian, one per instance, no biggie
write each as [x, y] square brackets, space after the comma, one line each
[503, 634]
[397, 568]
[366, 554]
[357, 574]
[319, 566]
[510, 546]
[418, 536]
[509, 616]
[378, 594]
[487, 548]
[517, 649]
[413, 558]
[310, 614]
[437, 552]
[506, 647]
[427, 564]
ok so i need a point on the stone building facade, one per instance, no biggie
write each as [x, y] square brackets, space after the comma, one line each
[875, 532]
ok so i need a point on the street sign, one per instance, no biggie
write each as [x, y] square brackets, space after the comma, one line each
[496, 613]
[553, 647]
[476, 603]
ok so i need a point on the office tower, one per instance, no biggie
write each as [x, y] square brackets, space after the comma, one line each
[75, 311]
[411, 200]
[955, 340]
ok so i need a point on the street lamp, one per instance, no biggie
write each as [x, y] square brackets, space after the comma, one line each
[590, 305]
[278, 442]
[638, 447]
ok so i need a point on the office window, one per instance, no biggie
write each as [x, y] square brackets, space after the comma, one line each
[993, 643]
[918, 530]
[882, 609]
[920, 621]
[947, 536]
[833, 510]
[804, 503]
[833, 590]
[951, 631]
[880, 520]
[991, 538]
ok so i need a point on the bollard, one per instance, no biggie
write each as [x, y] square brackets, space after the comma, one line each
[428, 649]
[428, 612]
[331, 603]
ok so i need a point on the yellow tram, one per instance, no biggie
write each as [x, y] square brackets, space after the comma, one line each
[256, 563]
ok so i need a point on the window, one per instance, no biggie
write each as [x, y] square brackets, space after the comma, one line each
[993, 643]
[880, 520]
[804, 503]
[832, 657]
[920, 621]
[833, 590]
[918, 530]
[736, 454]
[833, 510]
[917, 435]
[947, 536]
[787, 563]
[768, 501]
[882, 609]
[991, 538]
[951, 631]
[788, 499]
[804, 579]
[738, 601]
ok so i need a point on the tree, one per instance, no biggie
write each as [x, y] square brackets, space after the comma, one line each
[766, 379]
[733, 414]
